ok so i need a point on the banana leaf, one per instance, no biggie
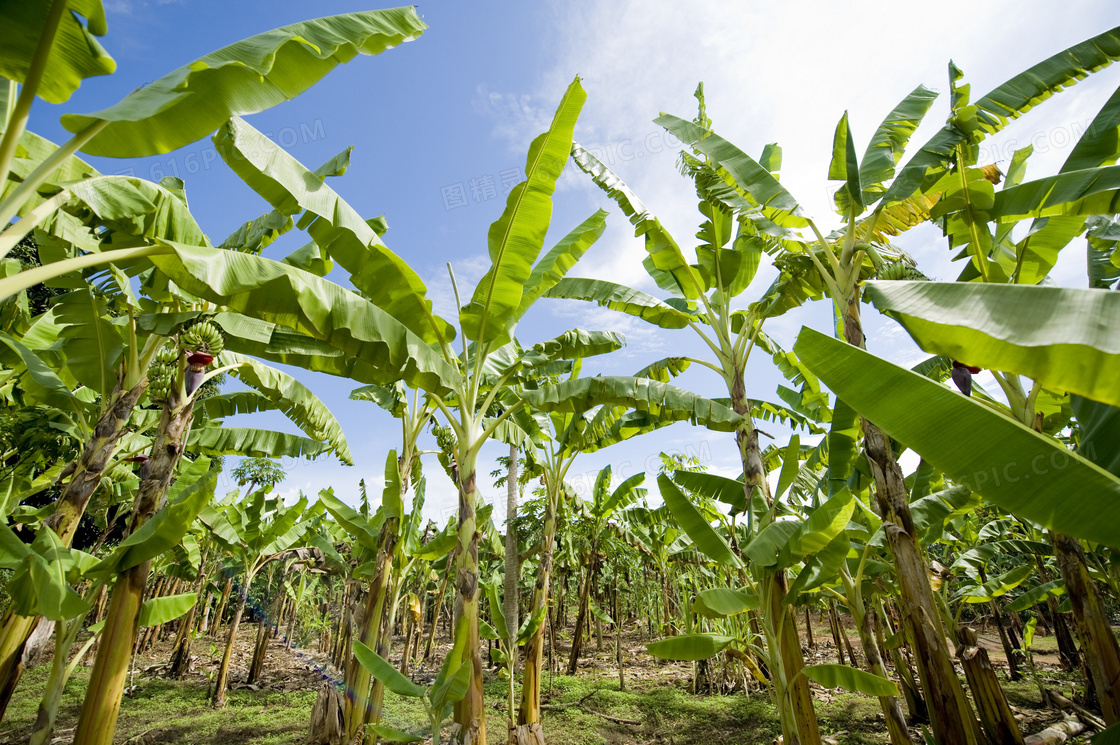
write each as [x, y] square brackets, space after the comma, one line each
[1020, 470]
[245, 77]
[850, 679]
[515, 240]
[75, 53]
[1064, 338]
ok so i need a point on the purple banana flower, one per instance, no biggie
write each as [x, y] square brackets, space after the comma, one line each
[962, 376]
[197, 370]
[145, 464]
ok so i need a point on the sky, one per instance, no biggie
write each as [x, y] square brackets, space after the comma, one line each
[440, 127]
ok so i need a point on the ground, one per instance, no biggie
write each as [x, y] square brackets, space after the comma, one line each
[657, 697]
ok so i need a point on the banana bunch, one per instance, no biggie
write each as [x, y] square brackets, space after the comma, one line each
[162, 371]
[202, 337]
[902, 269]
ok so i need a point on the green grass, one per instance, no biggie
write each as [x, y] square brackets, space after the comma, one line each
[178, 712]
[657, 697]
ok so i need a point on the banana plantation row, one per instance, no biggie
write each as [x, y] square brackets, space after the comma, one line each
[120, 321]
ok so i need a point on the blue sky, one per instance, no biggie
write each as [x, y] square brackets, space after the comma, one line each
[438, 124]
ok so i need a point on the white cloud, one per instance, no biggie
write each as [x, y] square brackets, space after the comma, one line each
[776, 73]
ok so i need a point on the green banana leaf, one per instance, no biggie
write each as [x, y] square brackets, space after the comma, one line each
[1022, 471]
[771, 547]
[29, 156]
[185, 499]
[329, 551]
[378, 667]
[1100, 145]
[358, 527]
[1063, 338]
[1036, 595]
[621, 298]
[256, 234]
[628, 492]
[791, 465]
[1098, 427]
[573, 345]
[289, 186]
[665, 262]
[75, 53]
[223, 405]
[285, 528]
[221, 528]
[155, 611]
[497, 612]
[515, 240]
[821, 568]
[843, 446]
[39, 585]
[555, 264]
[1093, 191]
[845, 167]
[392, 505]
[1008, 101]
[822, 526]
[390, 734]
[889, 142]
[531, 625]
[689, 647]
[252, 443]
[40, 380]
[438, 547]
[245, 77]
[390, 398]
[850, 679]
[293, 398]
[729, 491]
[747, 172]
[722, 602]
[285, 346]
[661, 399]
[695, 525]
[997, 586]
[129, 206]
[310, 258]
[280, 294]
[78, 338]
[453, 679]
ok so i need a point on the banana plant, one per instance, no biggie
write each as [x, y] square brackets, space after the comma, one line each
[604, 503]
[551, 443]
[273, 389]
[381, 539]
[390, 546]
[179, 662]
[1003, 276]
[451, 684]
[816, 265]
[257, 531]
[509, 639]
[60, 337]
[153, 612]
[779, 543]
[704, 301]
[45, 568]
